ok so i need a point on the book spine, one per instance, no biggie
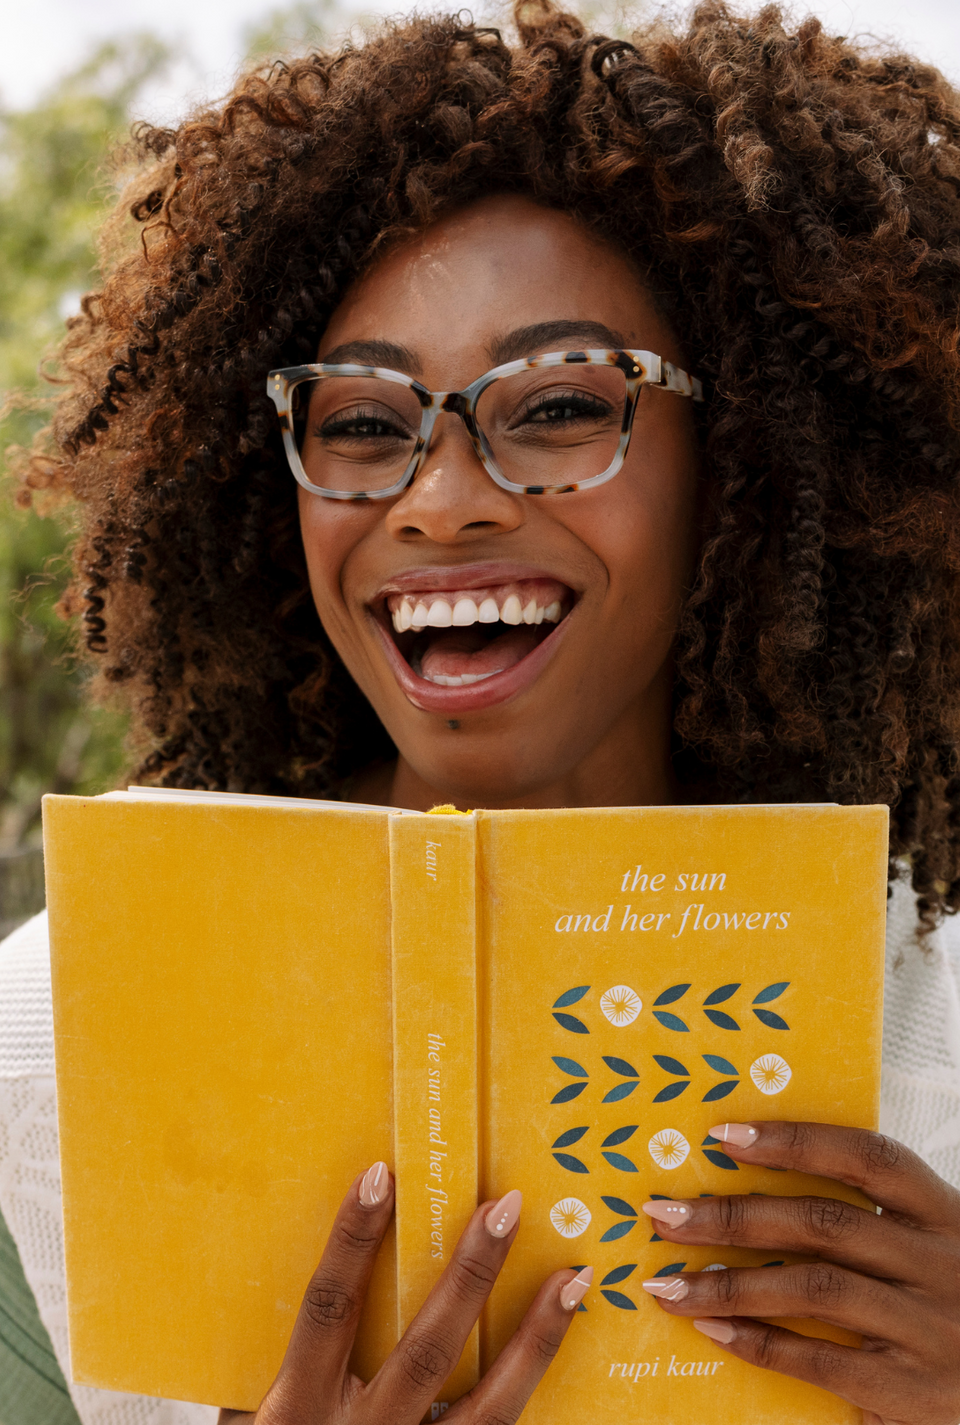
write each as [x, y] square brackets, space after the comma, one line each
[433, 893]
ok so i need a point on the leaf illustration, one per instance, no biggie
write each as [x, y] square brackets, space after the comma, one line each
[660, 1197]
[771, 1020]
[669, 1271]
[572, 1135]
[623, 1090]
[771, 992]
[570, 1066]
[619, 1274]
[673, 1090]
[568, 1092]
[617, 1160]
[718, 1091]
[674, 992]
[723, 1021]
[617, 1204]
[671, 1021]
[672, 1066]
[576, 1026]
[572, 1165]
[620, 1066]
[620, 1135]
[708, 1140]
[722, 1066]
[617, 1298]
[724, 992]
[571, 997]
[719, 1159]
[764, 1264]
[619, 1229]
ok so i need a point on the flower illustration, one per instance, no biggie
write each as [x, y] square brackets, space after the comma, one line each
[570, 1216]
[621, 1005]
[668, 1148]
[770, 1073]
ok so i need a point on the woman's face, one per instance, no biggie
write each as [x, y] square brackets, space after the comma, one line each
[557, 713]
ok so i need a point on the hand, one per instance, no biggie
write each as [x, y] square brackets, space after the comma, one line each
[892, 1277]
[314, 1385]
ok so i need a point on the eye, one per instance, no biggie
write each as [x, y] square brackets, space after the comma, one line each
[558, 407]
[363, 423]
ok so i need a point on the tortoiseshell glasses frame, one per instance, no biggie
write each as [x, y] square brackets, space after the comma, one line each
[640, 368]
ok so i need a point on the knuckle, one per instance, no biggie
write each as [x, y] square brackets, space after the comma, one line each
[327, 1304]
[879, 1154]
[426, 1361]
[352, 1237]
[768, 1347]
[797, 1138]
[541, 1345]
[824, 1285]
[471, 1277]
[729, 1287]
[732, 1215]
[828, 1218]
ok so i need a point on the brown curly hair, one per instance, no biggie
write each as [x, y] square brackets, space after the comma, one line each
[795, 202]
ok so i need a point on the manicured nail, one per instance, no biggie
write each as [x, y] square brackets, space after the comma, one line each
[502, 1217]
[373, 1188]
[673, 1214]
[667, 1288]
[741, 1135]
[573, 1292]
[717, 1330]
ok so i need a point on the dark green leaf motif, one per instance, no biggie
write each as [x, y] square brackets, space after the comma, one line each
[720, 1160]
[724, 992]
[674, 992]
[619, 1274]
[575, 1026]
[617, 1204]
[669, 1270]
[722, 1066]
[619, 1229]
[623, 1090]
[568, 1092]
[721, 1020]
[620, 1066]
[673, 1090]
[620, 1135]
[573, 1165]
[771, 1020]
[672, 1021]
[771, 1264]
[572, 1135]
[617, 1160]
[617, 1298]
[570, 997]
[672, 1066]
[718, 1091]
[771, 992]
[570, 1066]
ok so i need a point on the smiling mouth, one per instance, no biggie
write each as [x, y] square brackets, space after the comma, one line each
[455, 638]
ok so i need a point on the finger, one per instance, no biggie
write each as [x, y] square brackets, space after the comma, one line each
[316, 1358]
[887, 1172]
[810, 1226]
[816, 1289]
[413, 1373]
[521, 1365]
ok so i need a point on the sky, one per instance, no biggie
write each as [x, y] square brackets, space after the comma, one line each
[42, 39]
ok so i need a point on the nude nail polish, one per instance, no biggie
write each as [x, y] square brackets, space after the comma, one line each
[741, 1135]
[373, 1187]
[502, 1217]
[572, 1293]
[717, 1330]
[672, 1214]
[667, 1288]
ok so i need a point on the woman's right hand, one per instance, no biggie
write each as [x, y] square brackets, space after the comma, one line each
[315, 1386]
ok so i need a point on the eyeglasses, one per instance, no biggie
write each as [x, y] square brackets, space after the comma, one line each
[542, 425]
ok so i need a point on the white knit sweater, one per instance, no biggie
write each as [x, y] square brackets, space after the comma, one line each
[920, 1106]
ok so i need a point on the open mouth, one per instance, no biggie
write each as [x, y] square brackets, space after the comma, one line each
[456, 638]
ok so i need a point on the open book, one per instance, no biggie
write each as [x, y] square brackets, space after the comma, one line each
[255, 998]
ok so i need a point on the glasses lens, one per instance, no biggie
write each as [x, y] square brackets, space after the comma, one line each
[556, 425]
[355, 433]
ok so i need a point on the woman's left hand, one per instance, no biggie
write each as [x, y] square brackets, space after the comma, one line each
[894, 1277]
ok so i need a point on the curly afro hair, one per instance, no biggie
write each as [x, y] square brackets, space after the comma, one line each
[795, 201]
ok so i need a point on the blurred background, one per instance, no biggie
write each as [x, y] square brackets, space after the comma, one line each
[74, 76]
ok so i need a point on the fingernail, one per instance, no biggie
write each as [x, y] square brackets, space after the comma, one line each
[502, 1217]
[667, 1288]
[573, 1292]
[373, 1188]
[741, 1135]
[722, 1331]
[673, 1214]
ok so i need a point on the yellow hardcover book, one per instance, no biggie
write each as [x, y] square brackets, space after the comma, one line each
[255, 998]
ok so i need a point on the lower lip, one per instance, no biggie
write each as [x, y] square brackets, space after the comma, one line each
[498, 688]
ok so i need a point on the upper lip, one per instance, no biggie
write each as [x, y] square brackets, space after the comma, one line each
[447, 578]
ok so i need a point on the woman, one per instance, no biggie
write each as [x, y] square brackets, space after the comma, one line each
[748, 597]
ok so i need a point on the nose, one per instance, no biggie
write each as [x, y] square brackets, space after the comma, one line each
[452, 499]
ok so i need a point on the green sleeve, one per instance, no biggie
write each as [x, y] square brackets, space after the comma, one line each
[32, 1388]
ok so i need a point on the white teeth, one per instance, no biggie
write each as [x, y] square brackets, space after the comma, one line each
[552, 612]
[512, 611]
[456, 682]
[397, 622]
[464, 613]
[530, 612]
[540, 614]
[421, 617]
[441, 615]
[406, 615]
[488, 611]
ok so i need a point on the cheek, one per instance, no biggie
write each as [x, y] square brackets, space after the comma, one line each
[331, 531]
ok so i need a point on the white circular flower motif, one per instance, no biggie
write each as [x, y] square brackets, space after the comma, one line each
[668, 1148]
[715, 1267]
[621, 1005]
[770, 1073]
[570, 1216]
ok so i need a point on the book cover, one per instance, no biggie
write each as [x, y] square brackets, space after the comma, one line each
[256, 998]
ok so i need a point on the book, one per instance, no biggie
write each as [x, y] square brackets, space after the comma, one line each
[255, 998]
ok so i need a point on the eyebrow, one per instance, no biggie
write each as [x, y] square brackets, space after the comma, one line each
[375, 353]
[546, 336]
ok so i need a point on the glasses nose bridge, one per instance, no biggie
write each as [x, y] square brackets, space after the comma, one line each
[449, 403]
